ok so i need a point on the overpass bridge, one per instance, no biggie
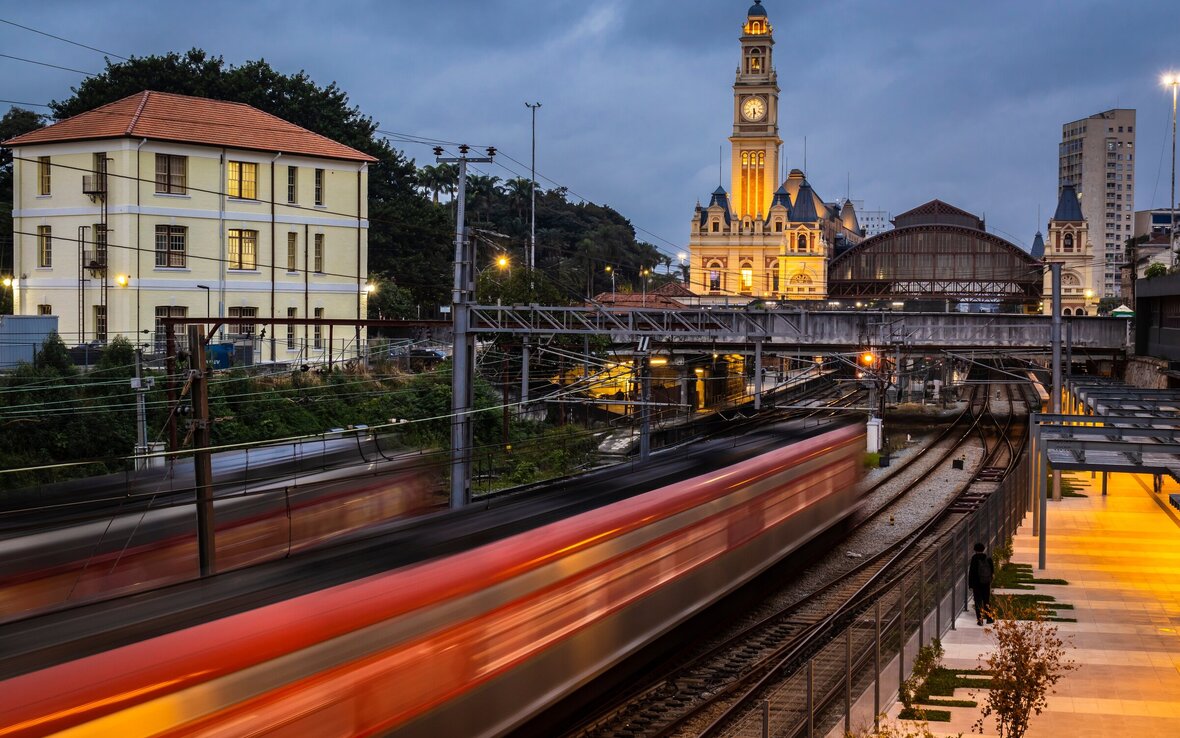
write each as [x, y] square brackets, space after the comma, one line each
[790, 329]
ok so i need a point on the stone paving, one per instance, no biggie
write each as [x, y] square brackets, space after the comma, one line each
[1121, 557]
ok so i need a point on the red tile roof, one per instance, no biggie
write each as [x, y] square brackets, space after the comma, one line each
[633, 300]
[162, 116]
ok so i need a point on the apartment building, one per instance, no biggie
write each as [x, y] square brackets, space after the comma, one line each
[1097, 157]
[162, 205]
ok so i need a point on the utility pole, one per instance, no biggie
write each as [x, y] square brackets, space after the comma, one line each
[202, 458]
[533, 198]
[140, 387]
[463, 353]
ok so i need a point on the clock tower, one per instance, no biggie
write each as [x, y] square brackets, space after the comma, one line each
[755, 142]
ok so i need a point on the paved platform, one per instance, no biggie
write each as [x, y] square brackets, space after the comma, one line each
[1121, 557]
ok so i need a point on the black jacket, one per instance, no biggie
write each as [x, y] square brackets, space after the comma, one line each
[981, 571]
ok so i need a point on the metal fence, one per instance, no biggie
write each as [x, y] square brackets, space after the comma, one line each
[845, 684]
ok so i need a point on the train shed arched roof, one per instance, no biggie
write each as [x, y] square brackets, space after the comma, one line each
[936, 251]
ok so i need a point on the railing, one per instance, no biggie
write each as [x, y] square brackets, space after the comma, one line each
[94, 184]
[857, 674]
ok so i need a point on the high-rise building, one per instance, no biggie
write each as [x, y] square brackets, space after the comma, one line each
[1097, 157]
[872, 222]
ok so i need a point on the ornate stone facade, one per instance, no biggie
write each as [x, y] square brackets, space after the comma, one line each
[763, 241]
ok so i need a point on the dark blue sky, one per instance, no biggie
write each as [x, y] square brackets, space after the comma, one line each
[912, 99]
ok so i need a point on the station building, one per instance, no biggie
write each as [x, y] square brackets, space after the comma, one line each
[168, 206]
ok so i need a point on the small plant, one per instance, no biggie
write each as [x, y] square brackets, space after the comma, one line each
[1155, 270]
[1002, 554]
[1028, 660]
[928, 659]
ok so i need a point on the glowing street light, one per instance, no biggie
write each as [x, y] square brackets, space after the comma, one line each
[644, 273]
[610, 270]
[868, 358]
[502, 262]
[370, 288]
[121, 280]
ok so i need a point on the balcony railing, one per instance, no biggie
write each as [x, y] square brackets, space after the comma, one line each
[94, 184]
[94, 259]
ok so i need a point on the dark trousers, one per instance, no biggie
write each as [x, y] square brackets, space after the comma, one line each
[982, 595]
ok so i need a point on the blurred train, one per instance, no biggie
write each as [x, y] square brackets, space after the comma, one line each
[468, 645]
[277, 502]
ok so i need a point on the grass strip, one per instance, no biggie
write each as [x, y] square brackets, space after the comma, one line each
[930, 716]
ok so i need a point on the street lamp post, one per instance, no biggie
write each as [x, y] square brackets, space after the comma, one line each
[683, 271]
[1173, 80]
[533, 197]
[643, 274]
[611, 271]
[203, 287]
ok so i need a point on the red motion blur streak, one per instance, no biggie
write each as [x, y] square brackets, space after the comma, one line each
[400, 680]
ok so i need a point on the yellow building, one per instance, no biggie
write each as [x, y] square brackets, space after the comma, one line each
[764, 239]
[162, 205]
[1069, 244]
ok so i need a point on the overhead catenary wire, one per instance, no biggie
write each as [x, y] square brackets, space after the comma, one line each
[63, 38]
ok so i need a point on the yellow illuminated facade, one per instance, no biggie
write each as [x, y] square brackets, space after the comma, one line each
[764, 238]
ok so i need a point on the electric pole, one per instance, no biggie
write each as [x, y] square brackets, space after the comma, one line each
[463, 353]
[533, 198]
[202, 457]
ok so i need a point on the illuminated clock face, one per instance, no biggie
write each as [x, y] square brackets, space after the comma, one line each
[754, 108]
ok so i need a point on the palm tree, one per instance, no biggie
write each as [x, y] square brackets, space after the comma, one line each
[481, 192]
[518, 190]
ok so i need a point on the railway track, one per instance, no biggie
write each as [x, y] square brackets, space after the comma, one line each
[708, 689]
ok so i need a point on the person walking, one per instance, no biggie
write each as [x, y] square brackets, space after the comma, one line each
[979, 577]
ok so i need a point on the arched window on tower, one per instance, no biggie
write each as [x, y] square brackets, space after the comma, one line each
[801, 244]
[1068, 243]
[754, 62]
[747, 275]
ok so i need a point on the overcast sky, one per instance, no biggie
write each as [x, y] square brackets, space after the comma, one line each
[910, 99]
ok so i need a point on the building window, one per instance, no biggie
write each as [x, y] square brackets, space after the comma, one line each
[243, 180]
[292, 313]
[716, 226]
[319, 253]
[292, 185]
[169, 311]
[318, 330]
[100, 245]
[44, 309]
[100, 322]
[44, 246]
[43, 175]
[171, 248]
[1069, 243]
[243, 329]
[100, 170]
[292, 252]
[171, 174]
[801, 244]
[243, 245]
[319, 187]
[778, 226]
[714, 279]
[747, 279]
